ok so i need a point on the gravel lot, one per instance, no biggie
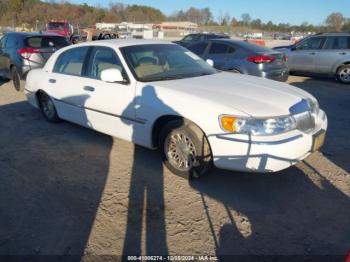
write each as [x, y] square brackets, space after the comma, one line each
[65, 189]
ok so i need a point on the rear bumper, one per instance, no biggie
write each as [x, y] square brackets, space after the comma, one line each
[263, 154]
[277, 75]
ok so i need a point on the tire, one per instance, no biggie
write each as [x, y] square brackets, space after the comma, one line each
[179, 140]
[343, 74]
[48, 108]
[18, 84]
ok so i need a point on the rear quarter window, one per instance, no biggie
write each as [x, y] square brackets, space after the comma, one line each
[45, 42]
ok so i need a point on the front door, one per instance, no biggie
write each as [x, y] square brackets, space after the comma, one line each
[110, 106]
[303, 57]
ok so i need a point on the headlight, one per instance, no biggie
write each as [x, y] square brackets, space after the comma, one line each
[257, 127]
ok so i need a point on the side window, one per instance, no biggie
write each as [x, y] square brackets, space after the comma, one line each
[230, 50]
[312, 43]
[102, 58]
[191, 38]
[337, 42]
[218, 48]
[198, 49]
[71, 61]
[340, 42]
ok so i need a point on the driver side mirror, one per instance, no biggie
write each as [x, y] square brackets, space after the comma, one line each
[112, 75]
[293, 48]
[210, 62]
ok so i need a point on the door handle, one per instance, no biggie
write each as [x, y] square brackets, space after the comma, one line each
[343, 53]
[52, 81]
[89, 88]
[312, 53]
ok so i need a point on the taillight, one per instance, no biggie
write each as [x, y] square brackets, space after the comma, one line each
[27, 51]
[261, 59]
[347, 258]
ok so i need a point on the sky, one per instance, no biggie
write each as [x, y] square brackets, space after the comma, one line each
[278, 11]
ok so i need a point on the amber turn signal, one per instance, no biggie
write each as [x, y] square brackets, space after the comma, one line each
[228, 123]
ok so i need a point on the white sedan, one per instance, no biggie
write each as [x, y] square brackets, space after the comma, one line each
[160, 95]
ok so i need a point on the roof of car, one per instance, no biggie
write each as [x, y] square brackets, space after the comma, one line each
[334, 34]
[123, 42]
[28, 34]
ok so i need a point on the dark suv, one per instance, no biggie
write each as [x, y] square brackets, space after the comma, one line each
[196, 38]
[325, 53]
[21, 52]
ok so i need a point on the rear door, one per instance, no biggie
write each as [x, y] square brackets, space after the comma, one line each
[335, 49]
[65, 84]
[302, 58]
[220, 53]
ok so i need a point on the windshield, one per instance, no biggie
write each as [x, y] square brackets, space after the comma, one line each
[157, 62]
[55, 26]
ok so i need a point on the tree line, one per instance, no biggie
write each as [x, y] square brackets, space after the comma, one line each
[36, 12]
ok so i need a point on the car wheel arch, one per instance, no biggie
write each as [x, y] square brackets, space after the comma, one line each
[162, 121]
[38, 93]
[340, 65]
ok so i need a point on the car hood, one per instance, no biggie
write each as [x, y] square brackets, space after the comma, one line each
[250, 95]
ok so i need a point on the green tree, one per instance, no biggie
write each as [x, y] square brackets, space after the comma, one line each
[335, 21]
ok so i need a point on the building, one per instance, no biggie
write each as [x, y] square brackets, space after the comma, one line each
[149, 31]
[176, 29]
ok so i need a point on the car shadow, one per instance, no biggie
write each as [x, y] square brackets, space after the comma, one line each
[334, 99]
[51, 183]
[283, 213]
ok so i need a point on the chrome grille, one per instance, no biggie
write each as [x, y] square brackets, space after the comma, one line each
[305, 121]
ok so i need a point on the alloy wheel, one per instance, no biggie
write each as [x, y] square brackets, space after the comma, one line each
[344, 75]
[181, 151]
[48, 106]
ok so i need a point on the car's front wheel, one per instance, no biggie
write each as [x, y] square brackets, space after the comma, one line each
[343, 74]
[18, 84]
[185, 149]
[48, 107]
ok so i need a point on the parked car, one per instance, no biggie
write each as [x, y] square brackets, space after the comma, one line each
[327, 54]
[195, 38]
[243, 57]
[21, 52]
[160, 95]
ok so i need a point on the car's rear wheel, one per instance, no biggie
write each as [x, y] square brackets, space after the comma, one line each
[48, 107]
[185, 149]
[343, 74]
[18, 84]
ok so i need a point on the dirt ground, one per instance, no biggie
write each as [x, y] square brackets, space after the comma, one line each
[67, 190]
